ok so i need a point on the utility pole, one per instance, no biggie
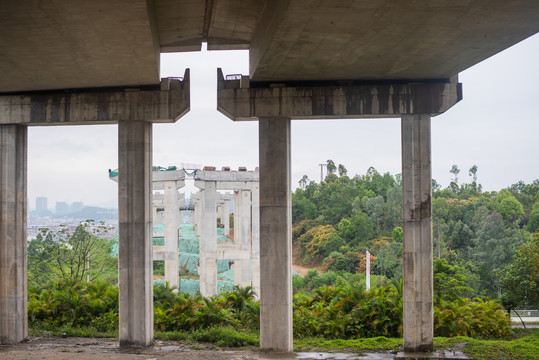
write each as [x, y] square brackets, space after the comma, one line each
[322, 172]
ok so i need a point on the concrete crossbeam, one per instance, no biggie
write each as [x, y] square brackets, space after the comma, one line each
[417, 226]
[333, 101]
[13, 285]
[135, 233]
[165, 103]
[275, 235]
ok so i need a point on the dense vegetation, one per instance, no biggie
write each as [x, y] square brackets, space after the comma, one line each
[486, 245]
[484, 240]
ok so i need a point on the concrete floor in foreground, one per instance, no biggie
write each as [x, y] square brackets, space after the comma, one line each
[54, 348]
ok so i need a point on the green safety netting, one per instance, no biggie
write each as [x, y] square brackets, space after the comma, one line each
[189, 259]
[192, 173]
[189, 263]
[226, 275]
[158, 228]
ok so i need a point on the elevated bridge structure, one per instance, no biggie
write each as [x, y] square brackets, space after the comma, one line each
[90, 62]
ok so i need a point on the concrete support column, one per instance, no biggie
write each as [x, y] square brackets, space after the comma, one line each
[135, 233]
[13, 287]
[225, 219]
[255, 238]
[208, 241]
[172, 223]
[417, 244]
[275, 235]
[245, 214]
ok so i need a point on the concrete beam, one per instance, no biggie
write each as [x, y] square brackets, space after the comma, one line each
[135, 266]
[227, 176]
[275, 235]
[330, 100]
[224, 185]
[417, 226]
[13, 286]
[166, 103]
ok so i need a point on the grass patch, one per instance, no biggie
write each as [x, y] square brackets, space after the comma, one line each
[174, 336]
[37, 328]
[226, 337]
[380, 343]
[220, 336]
[523, 348]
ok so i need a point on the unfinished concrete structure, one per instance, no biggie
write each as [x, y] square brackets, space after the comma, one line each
[245, 248]
[169, 205]
[307, 60]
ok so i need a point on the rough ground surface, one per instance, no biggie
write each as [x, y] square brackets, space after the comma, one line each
[50, 348]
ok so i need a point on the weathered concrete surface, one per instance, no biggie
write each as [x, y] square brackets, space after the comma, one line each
[172, 224]
[135, 266]
[208, 240]
[161, 103]
[59, 44]
[417, 226]
[255, 238]
[13, 287]
[275, 235]
[332, 101]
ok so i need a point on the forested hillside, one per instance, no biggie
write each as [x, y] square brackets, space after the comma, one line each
[476, 233]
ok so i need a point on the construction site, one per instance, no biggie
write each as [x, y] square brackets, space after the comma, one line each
[209, 241]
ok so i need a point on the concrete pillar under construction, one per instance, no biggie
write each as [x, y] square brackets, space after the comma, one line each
[13, 286]
[417, 226]
[275, 234]
[255, 238]
[208, 240]
[225, 218]
[172, 224]
[245, 214]
[135, 233]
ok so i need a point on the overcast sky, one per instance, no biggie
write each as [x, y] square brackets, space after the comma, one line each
[495, 126]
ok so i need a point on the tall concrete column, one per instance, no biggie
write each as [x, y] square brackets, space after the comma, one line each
[208, 241]
[13, 287]
[275, 235]
[255, 231]
[172, 223]
[417, 243]
[245, 214]
[226, 217]
[135, 233]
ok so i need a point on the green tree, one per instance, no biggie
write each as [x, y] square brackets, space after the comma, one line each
[331, 167]
[494, 248]
[73, 256]
[511, 209]
[449, 281]
[533, 220]
[356, 230]
[519, 281]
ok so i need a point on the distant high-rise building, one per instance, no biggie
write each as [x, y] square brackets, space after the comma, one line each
[62, 208]
[41, 203]
[76, 206]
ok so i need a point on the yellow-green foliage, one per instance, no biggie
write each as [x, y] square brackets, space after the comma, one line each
[465, 317]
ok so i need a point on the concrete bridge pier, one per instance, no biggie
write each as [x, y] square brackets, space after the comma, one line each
[418, 310]
[13, 286]
[135, 233]
[275, 234]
